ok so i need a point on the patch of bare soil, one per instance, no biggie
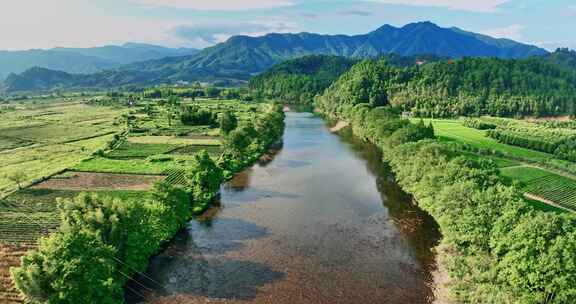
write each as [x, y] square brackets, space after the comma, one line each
[81, 181]
[551, 118]
[10, 257]
[339, 126]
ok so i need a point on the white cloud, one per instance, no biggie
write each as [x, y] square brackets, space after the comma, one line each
[463, 5]
[513, 32]
[216, 5]
[205, 34]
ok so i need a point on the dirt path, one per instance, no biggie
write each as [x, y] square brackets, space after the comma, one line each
[545, 201]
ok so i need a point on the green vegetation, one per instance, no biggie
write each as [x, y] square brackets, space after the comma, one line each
[496, 248]
[469, 86]
[554, 188]
[119, 230]
[138, 150]
[298, 81]
[39, 139]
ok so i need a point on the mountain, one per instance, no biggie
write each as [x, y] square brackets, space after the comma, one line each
[241, 57]
[246, 56]
[84, 60]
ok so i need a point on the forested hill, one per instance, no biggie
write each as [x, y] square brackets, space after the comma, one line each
[297, 81]
[469, 86]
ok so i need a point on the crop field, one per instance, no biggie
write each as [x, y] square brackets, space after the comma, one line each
[454, 131]
[42, 139]
[542, 186]
[139, 150]
[557, 189]
[89, 181]
[172, 140]
[212, 150]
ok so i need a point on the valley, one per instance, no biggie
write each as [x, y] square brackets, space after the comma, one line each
[255, 162]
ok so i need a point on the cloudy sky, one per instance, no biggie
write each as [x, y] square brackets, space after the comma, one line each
[26, 24]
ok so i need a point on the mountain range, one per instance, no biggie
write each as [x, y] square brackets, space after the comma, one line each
[84, 60]
[241, 57]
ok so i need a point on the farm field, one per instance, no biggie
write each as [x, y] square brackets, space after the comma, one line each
[114, 147]
[543, 186]
[454, 131]
[39, 140]
[546, 186]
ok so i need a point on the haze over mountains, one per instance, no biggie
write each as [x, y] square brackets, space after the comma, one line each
[242, 57]
[84, 60]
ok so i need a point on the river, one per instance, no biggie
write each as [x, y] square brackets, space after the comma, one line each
[321, 222]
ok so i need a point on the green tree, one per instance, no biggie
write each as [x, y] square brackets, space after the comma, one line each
[227, 122]
[70, 267]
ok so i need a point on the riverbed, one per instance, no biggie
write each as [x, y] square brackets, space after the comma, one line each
[321, 221]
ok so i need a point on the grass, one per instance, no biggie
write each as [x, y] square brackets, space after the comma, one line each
[524, 175]
[454, 131]
[538, 182]
[43, 161]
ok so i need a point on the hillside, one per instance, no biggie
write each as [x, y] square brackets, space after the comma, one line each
[243, 56]
[83, 60]
[299, 80]
[469, 86]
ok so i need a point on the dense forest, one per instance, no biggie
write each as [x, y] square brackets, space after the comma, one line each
[495, 247]
[299, 80]
[470, 86]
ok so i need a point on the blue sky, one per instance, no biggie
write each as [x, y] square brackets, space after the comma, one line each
[26, 24]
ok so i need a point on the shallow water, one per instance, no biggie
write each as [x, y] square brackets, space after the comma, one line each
[322, 222]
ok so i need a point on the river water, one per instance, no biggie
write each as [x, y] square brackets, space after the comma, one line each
[322, 222]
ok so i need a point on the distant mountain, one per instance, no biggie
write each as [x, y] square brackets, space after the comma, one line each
[246, 56]
[84, 60]
[42, 79]
[241, 57]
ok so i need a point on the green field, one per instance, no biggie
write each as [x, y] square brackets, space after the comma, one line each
[550, 187]
[139, 150]
[454, 131]
[42, 139]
